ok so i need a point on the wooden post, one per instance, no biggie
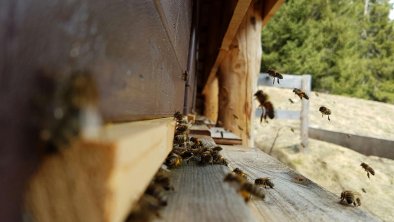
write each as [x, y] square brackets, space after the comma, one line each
[211, 102]
[238, 74]
[306, 87]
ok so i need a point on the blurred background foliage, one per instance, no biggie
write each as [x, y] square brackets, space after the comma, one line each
[346, 45]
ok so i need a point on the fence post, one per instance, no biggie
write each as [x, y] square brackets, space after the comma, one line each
[306, 87]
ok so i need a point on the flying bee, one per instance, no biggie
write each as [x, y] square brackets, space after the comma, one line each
[178, 116]
[300, 93]
[291, 101]
[368, 169]
[265, 181]
[251, 189]
[233, 177]
[266, 106]
[350, 198]
[173, 160]
[325, 111]
[240, 173]
[274, 74]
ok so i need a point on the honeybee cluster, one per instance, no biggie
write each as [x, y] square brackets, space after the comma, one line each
[154, 198]
[239, 179]
[186, 149]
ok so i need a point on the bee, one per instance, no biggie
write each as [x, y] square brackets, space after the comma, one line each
[162, 178]
[235, 116]
[217, 149]
[291, 101]
[350, 198]
[206, 158]
[173, 160]
[266, 106]
[240, 173]
[73, 110]
[178, 116]
[187, 155]
[181, 128]
[274, 74]
[219, 159]
[300, 93]
[368, 169]
[247, 189]
[265, 181]
[316, 93]
[157, 192]
[363, 190]
[325, 111]
[146, 207]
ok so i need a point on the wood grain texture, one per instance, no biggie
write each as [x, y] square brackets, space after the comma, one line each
[201, 195]
[100, 180]
[291, 199]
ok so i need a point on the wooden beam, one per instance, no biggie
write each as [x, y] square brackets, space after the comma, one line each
[269, 9]
[239, 13]
[294, 197]
[100, 180]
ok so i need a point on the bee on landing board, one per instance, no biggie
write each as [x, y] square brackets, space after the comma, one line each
[173, 160]
[325, 111]
[240, 173]
[266, 106]
[264, 181]
[300, 93]
[350, 198]
[274, 74]
[368, 169]
[244, 187]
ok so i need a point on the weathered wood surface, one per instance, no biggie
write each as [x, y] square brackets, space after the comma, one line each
[100, 180]
[366, 145]
[306, 85]
[201, 195]
[291, 199]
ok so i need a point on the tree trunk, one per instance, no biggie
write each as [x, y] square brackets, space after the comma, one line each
[238, 74]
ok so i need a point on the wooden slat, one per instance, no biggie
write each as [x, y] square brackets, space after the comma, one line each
[362, 144]
[100, 180]
[306, 87]
[291, 199]
[239, 12]
[200, 130]
[201, 195]
[221, 136]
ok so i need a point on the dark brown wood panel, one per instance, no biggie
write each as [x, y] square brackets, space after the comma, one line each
[124, 44]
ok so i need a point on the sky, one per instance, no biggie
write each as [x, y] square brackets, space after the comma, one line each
[391, 16]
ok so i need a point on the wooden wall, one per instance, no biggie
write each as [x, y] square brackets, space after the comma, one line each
[136, 50]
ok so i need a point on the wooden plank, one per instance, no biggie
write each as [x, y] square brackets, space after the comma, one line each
[99, 180]
[289, 81]
[306, 87]
[239, 12]
[269, 9]
[291, 199]
[201, 195]
[363, 144]
[200, 130]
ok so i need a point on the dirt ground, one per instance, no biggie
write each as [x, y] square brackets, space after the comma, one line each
[334, 167]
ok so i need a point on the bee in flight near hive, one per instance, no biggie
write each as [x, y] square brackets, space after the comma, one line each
[267, 109]
[300, 93]
[325, 111]
[368, 169]
[244, 187]
[350, 198]
[264, 181]
[274, 74]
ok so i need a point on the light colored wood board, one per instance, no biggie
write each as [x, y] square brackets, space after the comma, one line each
[201, 195]
[200, 130]
[281, 114]
[290, 200]
[366, 145]
[100, 180]
[211, 101]
[288, 81]
[217, 132]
